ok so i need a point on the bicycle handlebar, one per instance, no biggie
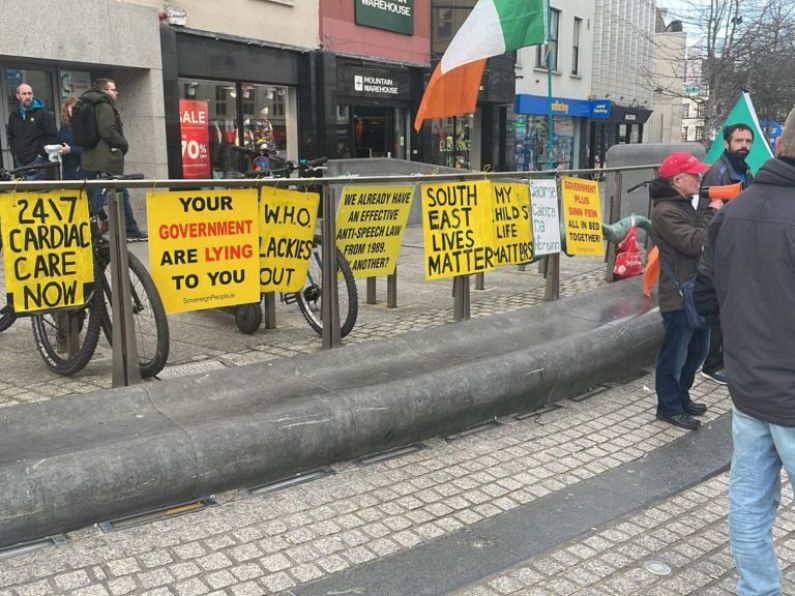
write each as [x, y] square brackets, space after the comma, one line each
[8, 175]
[105, 176]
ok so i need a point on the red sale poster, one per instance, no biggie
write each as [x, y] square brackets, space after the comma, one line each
[193, 119]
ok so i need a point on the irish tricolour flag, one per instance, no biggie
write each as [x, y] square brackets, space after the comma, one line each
[492, 28]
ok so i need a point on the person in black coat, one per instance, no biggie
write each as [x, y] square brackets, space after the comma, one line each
[30, 128]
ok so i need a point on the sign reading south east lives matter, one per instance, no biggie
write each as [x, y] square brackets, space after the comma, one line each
[546, 218]
[582, 216]
[287, 231]
[46, 250]
[203, 248]
[513, 235]
[370, 225]
[458, 228]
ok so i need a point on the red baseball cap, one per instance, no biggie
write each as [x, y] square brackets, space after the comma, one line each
[681, 162]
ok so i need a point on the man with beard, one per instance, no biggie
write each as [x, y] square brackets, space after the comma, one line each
[730, 168]
[30, 128]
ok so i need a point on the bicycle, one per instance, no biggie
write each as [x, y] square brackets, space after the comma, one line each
[52, 330]
[248, 317]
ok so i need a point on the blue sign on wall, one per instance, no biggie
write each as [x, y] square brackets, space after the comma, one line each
[562, 106]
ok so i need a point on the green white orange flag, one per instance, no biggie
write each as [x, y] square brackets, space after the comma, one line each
[743, 112]
[492, 28]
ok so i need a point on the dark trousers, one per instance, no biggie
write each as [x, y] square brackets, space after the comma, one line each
[714, 361]
[681, 354]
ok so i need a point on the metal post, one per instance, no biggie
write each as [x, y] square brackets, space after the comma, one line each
[329, 306]
[126, 370]
[391, 289]
[371, 290]
[613, 216]
[552, 287]
[461, 311]
[269, 302]
[479, 281]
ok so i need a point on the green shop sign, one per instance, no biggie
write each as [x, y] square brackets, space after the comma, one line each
[392, 15]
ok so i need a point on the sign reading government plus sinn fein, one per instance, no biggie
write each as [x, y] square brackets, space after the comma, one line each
[392, 15]
[370, 225]
[203, 248]
[46, 249]
[582, 216]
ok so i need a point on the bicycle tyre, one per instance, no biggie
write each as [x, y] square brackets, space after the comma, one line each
[151, 336]
[6, 312]
[248, 317]
[310, 297]
[53, 352]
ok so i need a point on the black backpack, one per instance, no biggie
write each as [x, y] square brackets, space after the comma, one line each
[84, 124]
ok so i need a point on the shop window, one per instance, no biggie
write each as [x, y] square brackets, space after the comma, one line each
[531, 134]
[452, 141]
[344, 132]
[552, 44]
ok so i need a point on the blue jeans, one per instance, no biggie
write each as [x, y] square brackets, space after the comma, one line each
[760, 449]
[35, 174]
[682, 352]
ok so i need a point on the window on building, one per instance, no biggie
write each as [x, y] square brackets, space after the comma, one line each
[552, 44]
[575, 47]
[699, 134]
[685, 110]
[701, 111]
[443, 22]
[685, 132]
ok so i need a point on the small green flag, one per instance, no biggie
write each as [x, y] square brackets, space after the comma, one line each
[743, 112]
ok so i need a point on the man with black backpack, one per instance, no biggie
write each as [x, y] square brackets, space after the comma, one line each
[97, 127]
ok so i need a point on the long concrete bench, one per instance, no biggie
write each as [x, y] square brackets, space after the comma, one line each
[71, 462]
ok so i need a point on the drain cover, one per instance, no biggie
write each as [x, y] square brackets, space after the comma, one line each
[657, 568]
[189, 368]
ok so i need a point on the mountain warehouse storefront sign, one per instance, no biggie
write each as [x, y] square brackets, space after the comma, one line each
[391, 15]
[368, 84]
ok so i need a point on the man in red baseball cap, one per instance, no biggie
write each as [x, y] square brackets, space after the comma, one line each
[680, 221]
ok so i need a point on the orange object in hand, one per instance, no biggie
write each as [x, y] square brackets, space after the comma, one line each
[723, 192]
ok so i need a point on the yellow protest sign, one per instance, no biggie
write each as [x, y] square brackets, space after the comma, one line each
[458, 228]
[370, 225]
[46, 249]
[582, 216]
[513, 230]
[203, 248]
[287, 230]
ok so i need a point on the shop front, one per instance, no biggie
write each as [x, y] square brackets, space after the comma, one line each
[228, 102]
[371, 109]
[623, 126]
[570, 119]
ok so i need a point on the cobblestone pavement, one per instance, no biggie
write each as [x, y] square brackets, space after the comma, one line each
[276, 541]
[210, 337]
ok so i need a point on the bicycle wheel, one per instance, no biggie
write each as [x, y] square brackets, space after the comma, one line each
[6, 312]
[310, 298]
[67, 338]
[149, 316]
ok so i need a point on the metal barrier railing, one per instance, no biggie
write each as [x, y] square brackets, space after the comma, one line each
[125, 368]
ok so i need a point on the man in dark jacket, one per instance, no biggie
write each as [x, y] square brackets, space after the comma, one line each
[752, 269]
[730, 168]
[108, 154]
[30, 128]
[679, 232]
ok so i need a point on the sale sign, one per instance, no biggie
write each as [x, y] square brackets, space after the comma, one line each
[194, 126]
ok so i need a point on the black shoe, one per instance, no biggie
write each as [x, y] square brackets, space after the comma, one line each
[681, 420]
[695, 409]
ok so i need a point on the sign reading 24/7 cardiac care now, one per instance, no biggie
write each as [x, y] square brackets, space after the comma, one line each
[287, 230]
[582, 216]
[203, 248]
[458, 228]
[46, 250]
[513, 237]
[370, 225]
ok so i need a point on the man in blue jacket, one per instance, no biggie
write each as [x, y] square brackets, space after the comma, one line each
[30, 128]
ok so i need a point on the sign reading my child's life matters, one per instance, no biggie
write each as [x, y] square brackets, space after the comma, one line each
[457, 228]
[370, 225]
[546, 219]
[203, 248]
[582, 216]
[513, 236]
[287, 231]
[46, 249]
